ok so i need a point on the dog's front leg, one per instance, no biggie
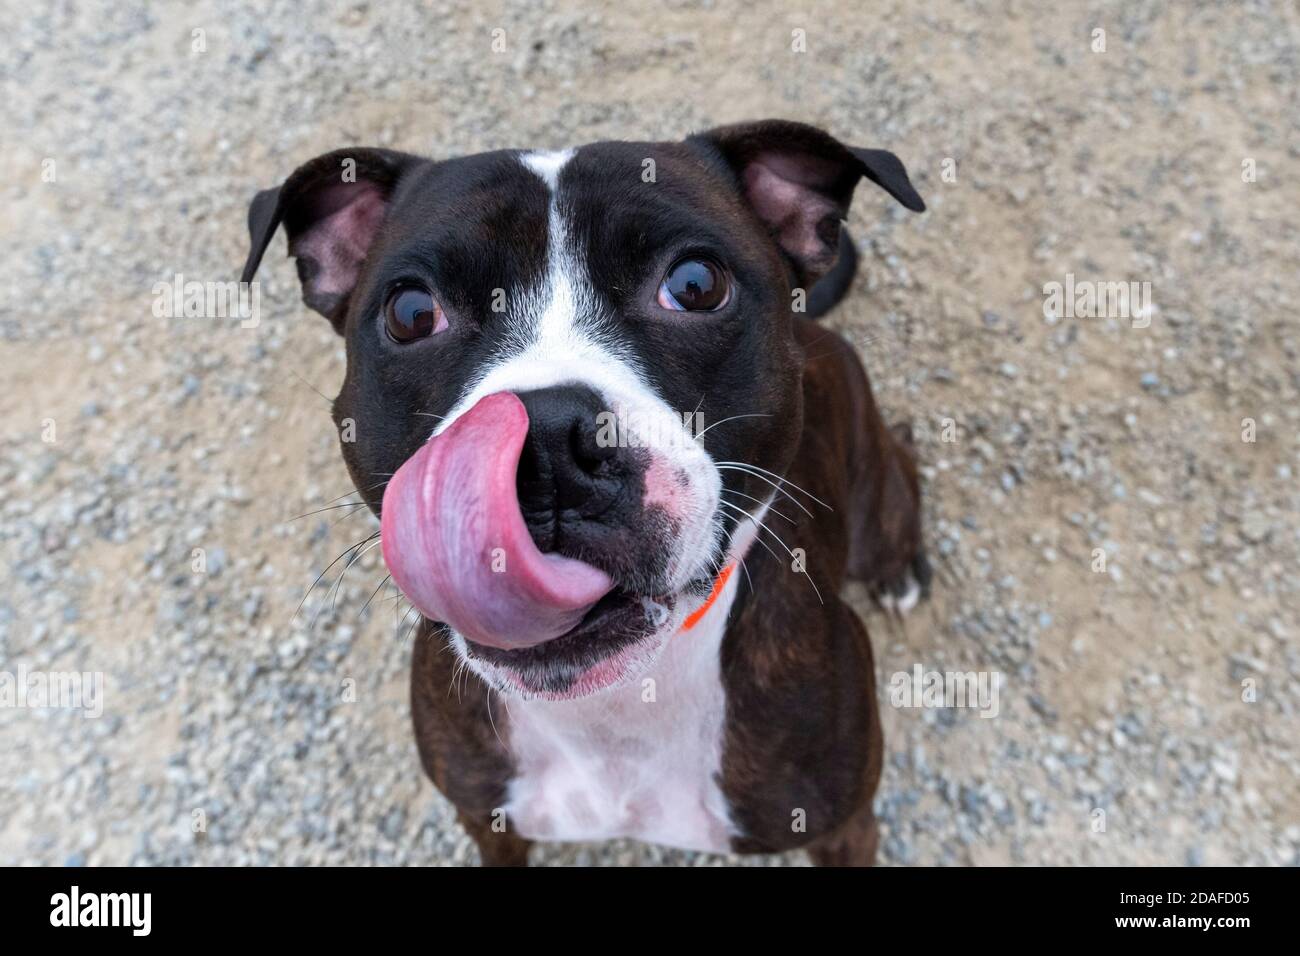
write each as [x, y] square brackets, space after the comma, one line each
[853, 844]
[458, 732]
[496, 846]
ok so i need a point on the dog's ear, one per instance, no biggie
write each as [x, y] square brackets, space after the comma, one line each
[799, 180]
[331, 208]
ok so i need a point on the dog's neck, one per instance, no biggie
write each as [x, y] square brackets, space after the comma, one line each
[640, 760]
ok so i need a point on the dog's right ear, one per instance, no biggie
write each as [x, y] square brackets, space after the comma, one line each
[799, 181]
[332, 208]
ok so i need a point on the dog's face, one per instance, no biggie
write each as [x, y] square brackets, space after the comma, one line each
[571, 376]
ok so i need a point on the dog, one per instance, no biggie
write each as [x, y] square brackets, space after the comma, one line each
[622, 472]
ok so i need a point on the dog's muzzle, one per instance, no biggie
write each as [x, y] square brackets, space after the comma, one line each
[454, 534]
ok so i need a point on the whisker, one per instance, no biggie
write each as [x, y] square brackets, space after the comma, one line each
[387, 578]
[783, 480]
[764, 527]
[338, 585]
[744, 567]
[759, 539]
[455, 672]
[346, 504]
[488, 700]
[364, 511]
[730, 491]
[356, 552]
[716, 563]
[403, 635]
[311, 386]
[355, 492]
[345, 553]
[731, 419]
[795, 501]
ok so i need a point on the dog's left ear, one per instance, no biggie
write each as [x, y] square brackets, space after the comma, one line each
[331, 207]
[799, 180]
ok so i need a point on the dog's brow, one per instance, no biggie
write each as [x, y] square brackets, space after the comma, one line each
[547, 164]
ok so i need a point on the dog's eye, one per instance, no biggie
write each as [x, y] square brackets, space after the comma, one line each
[694, 285]
[411, 313]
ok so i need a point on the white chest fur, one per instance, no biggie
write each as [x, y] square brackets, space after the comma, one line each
[639, 761]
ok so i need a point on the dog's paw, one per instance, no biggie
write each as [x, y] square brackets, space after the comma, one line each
[900, 596]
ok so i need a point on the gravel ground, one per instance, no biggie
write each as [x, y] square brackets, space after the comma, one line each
[1161, 692]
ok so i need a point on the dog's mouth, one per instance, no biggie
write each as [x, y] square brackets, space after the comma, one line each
[530, 622]
[620, 631]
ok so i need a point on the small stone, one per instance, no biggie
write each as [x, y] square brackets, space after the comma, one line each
[1255, 526]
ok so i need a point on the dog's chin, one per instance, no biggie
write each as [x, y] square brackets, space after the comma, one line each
[612, 645]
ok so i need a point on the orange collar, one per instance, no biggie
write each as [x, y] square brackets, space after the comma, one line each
[695, 616]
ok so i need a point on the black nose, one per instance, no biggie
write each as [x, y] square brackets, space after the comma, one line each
[570, 468]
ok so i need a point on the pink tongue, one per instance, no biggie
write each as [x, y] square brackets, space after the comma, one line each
[456, 543]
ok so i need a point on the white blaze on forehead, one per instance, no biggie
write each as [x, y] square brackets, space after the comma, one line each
[554, 330]
[565, 275]
[547, 164]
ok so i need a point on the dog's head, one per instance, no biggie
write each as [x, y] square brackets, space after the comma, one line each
[578, 367]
